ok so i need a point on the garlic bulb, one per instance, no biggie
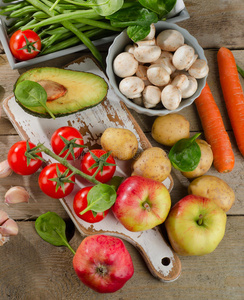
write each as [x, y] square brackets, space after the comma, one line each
[5, 169]
[8, 227]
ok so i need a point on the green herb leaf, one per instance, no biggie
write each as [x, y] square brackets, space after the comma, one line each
[185, 154]
[32, 94]
[100, 198]
[106, 8]
[51, 228]
[160, 7]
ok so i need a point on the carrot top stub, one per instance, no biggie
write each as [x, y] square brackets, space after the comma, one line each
[214, 131]
[232, 93]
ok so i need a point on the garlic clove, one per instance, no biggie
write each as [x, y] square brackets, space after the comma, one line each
[17, 194]
[5, 169]
[3, 217]
[3, 239]
[9, 227]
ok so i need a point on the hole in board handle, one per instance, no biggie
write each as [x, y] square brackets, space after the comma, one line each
[165, 261]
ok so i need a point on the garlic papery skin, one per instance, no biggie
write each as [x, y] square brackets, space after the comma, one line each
[3, 239]
[3, 217]
[17, 194]
[9, 228]
[5, 169]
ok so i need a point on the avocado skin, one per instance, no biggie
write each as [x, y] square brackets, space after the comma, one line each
[80, 84]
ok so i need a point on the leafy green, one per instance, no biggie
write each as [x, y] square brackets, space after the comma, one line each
[100, 198]
[185, 154]
[161, 8]
[106, 8]
[138, 20]
[51, 228]
[32, 94]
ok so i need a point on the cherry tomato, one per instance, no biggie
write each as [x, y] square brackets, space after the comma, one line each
[88, 161]
[69, 133]
[25, 44]
[18, 161]
[80, 203]
[49, 187]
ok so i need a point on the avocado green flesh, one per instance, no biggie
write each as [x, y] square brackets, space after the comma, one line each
[84, 90]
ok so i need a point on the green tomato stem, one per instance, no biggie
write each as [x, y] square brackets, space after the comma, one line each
[64, 162]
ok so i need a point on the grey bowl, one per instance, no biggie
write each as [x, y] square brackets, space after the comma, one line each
[118, 46]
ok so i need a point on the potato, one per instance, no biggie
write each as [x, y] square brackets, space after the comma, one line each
[121, 142]
[152, 163]
[205, 161]
[213, 188]
[169, 129]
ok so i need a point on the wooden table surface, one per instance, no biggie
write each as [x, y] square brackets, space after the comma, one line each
[32, 269]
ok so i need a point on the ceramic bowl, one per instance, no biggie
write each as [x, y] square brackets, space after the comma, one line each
[118, 46]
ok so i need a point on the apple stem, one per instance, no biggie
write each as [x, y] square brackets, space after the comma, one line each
[200, 220]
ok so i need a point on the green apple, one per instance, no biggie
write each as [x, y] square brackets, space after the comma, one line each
[195, 225]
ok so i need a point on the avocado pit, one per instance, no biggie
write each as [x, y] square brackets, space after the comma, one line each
[53, 89]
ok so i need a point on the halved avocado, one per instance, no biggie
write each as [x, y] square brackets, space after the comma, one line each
[82, 90]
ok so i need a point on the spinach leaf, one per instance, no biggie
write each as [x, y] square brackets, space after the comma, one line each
[137, 33]
[51, 228]
[160, 7]
[185, 154]
[32, 94]
[100, 198]
[106, 8]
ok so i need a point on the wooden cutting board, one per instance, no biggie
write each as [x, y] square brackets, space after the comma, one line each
[163, 263]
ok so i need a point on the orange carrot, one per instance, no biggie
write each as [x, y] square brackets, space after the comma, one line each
[214, 131]
[233, 94]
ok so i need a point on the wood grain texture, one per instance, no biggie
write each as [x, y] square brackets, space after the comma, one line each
[34, 269]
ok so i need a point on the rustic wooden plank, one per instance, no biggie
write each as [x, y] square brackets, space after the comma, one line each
[216, 23]
[33, 269]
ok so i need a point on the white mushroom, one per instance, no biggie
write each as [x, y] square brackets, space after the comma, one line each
[171, 97]
[170, 40]
[146, 43]
[183, 56]
[125, 65]
[151, 96]
[166, 63]
[147, 54]
[151, 34]
[158, 75]
[199, 69]
[191, 89]
[141, 72]
[191, 62]
[131, 87]
[130, 48]
[181, 82]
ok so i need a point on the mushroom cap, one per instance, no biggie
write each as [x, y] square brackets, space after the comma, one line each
[125, 65]
[151, 34]
[181, 82]
[151, 96]
[151, 42]
[191, 89]
[141, 71]
[183, 56]
[147, 54]
[131, 87]
[130, 48]
[199, 69]
[171, 97]
[158, 75]
[170, 40]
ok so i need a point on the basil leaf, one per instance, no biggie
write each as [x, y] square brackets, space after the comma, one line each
[161, 8]
[185, 154]
[106, 8]
[32, 94]
[100, 198]
[51, 228]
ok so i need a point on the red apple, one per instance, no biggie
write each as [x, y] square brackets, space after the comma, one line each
[195, 225]
[141, 203]
[103, 263]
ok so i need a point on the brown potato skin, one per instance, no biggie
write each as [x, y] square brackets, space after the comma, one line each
[152, 163]
[205, 161]
[121, 142]
[169, 129]
[214, 188]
